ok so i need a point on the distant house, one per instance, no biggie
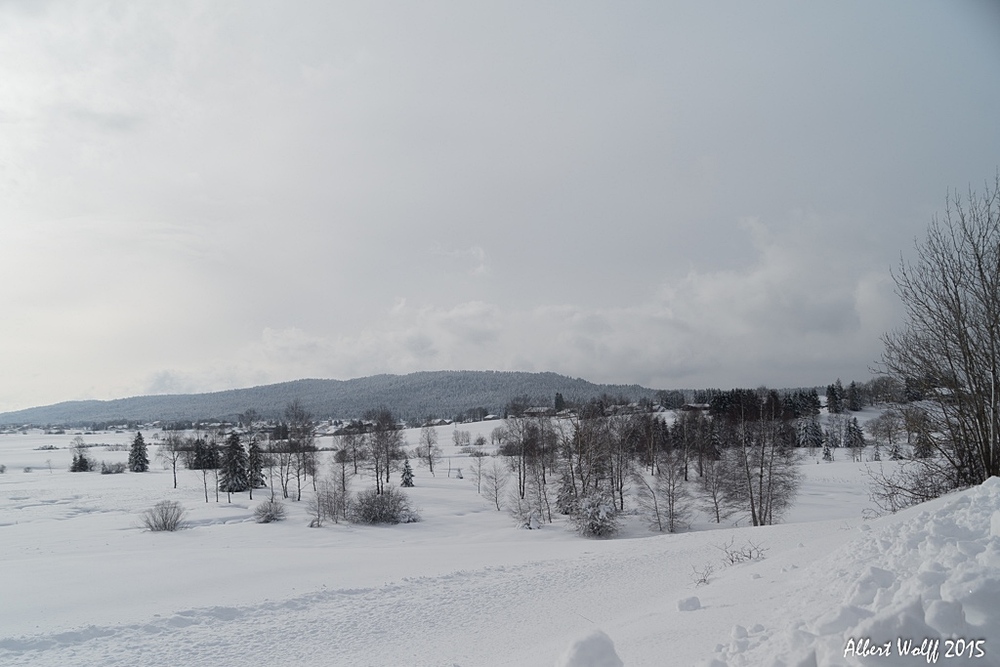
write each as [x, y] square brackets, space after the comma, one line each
[695, 407]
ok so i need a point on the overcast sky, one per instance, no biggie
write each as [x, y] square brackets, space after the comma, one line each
[201, 196]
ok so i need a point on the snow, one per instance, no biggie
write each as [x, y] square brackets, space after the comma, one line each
[689, 604]
[594, 650]
[82, 584]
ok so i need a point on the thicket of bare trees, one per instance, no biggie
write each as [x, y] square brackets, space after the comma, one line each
[384, 446]
[593, 465]
[947, 354]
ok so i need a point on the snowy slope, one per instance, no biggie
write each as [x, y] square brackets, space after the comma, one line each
[81, 584]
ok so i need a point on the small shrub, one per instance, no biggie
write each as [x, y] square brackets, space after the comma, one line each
[3, 469]
[166, 515]
[268, 511]
[703, 576]
[733, 555]
[523, 511]
[27, 468]
[597, 516]
[112, 468]
[391, 506]
[329, 503]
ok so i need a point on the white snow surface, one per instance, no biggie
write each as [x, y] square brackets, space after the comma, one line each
[81, 583]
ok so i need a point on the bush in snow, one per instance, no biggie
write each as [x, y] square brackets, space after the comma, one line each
[268, 511]
[327, 503]
[166, 515]
[3, 469]
[112, 468]
[523, 511]
[566, 498]
[597, 516]
[390, 506]
[731, 555]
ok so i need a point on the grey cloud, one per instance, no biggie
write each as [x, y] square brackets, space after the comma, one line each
[663, 193]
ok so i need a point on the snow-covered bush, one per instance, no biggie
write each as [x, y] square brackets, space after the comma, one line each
[268, 511]
[112, 468]
[390, 506]
[597, 516]
[166, 515]
[525, 513]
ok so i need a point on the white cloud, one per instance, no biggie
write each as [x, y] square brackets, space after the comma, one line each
[212, 194]
[474, 260]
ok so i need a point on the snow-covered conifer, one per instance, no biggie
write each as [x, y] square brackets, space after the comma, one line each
[233, 473]
[138, 459]
[406, 478]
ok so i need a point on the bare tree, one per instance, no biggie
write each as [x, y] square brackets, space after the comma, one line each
[301, 444]
[886, 430]
[342, 477]
[761, 454]
[948, 351]
[461, 438]
[477, 466]
[172, 450]
[495, 479]
[385, 445]
[664, 499]
[714, 483]
[428, 451]
[352, 441]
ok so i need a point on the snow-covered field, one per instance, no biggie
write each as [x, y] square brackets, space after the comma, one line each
[82, 584]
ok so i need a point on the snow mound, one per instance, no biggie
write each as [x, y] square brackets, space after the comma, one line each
[917, 583]
[594, 650]
[689, 604]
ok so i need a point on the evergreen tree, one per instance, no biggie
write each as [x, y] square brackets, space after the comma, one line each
[835, 398]
[567, 501]
[407, 476]
[812, 402]
[854, 398]
[255, 467]
[234, 471]
[810, 432]
[855, 438]
[827, 452]
[138, 459]
[81, 462]
[895, 454]
[206, 457]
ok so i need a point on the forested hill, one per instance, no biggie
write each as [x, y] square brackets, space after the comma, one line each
[417, 395]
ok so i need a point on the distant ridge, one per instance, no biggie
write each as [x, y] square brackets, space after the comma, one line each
[416, 395]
